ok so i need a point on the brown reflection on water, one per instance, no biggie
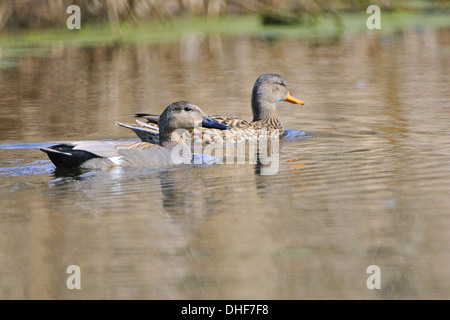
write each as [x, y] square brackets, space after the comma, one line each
[370, 185]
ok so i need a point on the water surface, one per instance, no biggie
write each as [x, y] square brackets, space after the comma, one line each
[364, 174]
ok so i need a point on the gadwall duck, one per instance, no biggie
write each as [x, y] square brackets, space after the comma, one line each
[176, 118]
[268, 90]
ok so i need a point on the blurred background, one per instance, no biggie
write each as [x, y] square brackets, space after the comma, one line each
[364, 169]
[47, 13]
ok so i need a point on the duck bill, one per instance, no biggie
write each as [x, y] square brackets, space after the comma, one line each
[211, 123]
[293, 99]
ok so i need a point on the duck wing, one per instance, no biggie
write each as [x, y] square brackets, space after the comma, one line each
[145, 132]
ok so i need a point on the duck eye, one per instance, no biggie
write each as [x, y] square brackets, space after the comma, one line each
[187, 109]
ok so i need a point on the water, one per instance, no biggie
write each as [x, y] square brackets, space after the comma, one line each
[364, 173]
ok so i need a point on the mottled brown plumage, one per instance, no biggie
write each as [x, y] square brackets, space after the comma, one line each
[269, 89]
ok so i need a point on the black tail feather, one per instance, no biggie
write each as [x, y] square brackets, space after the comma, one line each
[64, 156]
[151, 118]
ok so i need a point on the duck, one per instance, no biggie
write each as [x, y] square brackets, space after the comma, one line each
[174, 122]
[269, 89]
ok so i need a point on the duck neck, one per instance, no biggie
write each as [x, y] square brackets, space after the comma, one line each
[265, 111]
[180, 152]
[170, 139]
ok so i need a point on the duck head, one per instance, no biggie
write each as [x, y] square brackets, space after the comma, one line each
[269, 89]
[183, 115]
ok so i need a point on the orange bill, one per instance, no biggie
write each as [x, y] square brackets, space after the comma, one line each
[291, 99]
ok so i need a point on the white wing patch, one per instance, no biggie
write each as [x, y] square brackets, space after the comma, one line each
[117, 160]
